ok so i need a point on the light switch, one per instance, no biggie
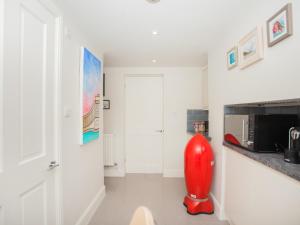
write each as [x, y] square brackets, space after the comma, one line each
[68, 34]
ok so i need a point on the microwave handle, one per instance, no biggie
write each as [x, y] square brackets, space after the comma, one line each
[243, 132]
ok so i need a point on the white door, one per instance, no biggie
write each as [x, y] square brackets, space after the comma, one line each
[144, 124]
[27, 183]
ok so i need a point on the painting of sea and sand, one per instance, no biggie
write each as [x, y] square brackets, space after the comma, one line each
[91, 73]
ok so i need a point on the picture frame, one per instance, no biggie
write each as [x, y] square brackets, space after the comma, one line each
[106, 104]
[232, 58]
[91, 71]
[250, 48]
[104, 84]
[280, 25]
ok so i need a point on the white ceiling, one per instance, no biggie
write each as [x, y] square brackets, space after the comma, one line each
[122, 29]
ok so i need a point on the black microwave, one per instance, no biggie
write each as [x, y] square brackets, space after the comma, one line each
[259, 132]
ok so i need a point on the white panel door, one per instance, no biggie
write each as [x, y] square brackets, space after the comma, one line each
[27, 183]
[144, 124]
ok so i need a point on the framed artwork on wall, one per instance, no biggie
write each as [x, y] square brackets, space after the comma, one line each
[90, 81]
[232, 58]
[251, 48]
[103, 84]
[280, 25]
[106, 104]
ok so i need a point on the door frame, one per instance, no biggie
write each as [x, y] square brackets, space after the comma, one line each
[58, 188]
[124, 114]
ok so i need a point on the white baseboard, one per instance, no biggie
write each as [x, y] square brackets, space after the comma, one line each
[173, 173]
[144, 170]
[219, 209]
[216, 206]
[110, 172]
[87, 215]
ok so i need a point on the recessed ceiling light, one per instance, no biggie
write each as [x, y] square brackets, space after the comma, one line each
[155, 32]
[154, 60]
[153, 1]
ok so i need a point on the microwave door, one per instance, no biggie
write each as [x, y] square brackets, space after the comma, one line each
[245, 130]
[238, 126]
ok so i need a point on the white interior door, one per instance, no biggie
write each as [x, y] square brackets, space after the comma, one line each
[27, 183]
[144, 124]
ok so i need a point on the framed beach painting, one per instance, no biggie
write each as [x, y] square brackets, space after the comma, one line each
[232, 58]
[280, 26]
[90, 81]
[251, 48]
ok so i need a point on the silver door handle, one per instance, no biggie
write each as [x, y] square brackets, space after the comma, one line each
[53, 164]
[160, 131]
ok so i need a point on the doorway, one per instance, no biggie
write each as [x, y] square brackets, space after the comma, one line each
[144, 123]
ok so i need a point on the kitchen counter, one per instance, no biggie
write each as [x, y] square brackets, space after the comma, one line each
[206, 136]
[272, 160]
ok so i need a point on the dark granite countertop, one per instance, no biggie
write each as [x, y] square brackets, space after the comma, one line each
[272, 160]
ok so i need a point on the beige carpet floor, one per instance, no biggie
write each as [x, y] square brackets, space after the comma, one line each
[163, 196]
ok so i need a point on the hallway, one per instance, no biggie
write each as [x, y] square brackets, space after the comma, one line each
[108, 106]
[163, 196]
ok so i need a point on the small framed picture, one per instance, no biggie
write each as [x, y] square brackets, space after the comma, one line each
[251, 48]
[232, 58]
[280, 26]
[103, 84]
[106, 104]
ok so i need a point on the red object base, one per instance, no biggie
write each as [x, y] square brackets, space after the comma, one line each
[195, 207]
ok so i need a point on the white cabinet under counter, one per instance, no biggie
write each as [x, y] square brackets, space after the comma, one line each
[256, 194]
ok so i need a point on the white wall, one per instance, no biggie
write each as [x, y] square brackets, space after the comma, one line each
[1, 81]
[205, 87]
[259, 195]
[182, 91]
[82, 166]
[276, 77]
